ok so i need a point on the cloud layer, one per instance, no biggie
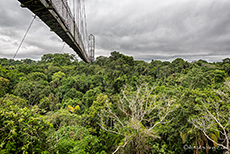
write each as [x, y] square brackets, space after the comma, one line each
[164, 30]
[144, 29]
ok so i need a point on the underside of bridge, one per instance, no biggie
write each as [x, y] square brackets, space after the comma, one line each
[50, 16]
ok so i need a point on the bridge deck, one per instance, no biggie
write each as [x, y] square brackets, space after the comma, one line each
[50, 16]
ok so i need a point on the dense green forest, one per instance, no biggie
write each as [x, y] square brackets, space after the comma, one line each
[117, 104]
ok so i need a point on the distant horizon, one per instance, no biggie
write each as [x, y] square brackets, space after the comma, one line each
[143, 29]
[136, 59]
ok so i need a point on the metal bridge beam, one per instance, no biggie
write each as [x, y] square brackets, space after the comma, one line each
[50, 16]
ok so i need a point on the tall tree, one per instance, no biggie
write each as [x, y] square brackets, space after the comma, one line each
[214, 117]
[140, 112]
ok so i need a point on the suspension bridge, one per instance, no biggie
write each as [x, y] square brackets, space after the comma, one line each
[68, 24]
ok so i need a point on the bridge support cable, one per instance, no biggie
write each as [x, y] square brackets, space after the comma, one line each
[85, 28]
[62, 48]
[74, 16]
[31, 23]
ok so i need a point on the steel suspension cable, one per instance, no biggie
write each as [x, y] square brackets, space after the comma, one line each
[85, 28]
[24, 36]
[62, 48]
[74, 9]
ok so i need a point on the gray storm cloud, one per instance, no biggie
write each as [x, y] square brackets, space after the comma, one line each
[144, 29]
[164, 30]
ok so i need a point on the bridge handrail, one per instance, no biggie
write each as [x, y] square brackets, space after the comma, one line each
[63, 9]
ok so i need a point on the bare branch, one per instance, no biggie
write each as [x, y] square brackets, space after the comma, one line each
[137, 106]
[58, 139]
[120, 147]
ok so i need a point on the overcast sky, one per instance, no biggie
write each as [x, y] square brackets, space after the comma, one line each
[144, 29]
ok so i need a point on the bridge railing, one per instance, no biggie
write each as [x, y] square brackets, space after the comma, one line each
[75, 29]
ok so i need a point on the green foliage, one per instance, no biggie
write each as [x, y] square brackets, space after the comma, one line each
[160, 149]
[90, 96]
[4, 83]
[58, 59]
[63, 118]
[22, 128]
[56, 78]
[91, 117]
[33, 91]
[37, 76]
[74, 139]
[49, 103]
[97, 105]
[52, 105]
